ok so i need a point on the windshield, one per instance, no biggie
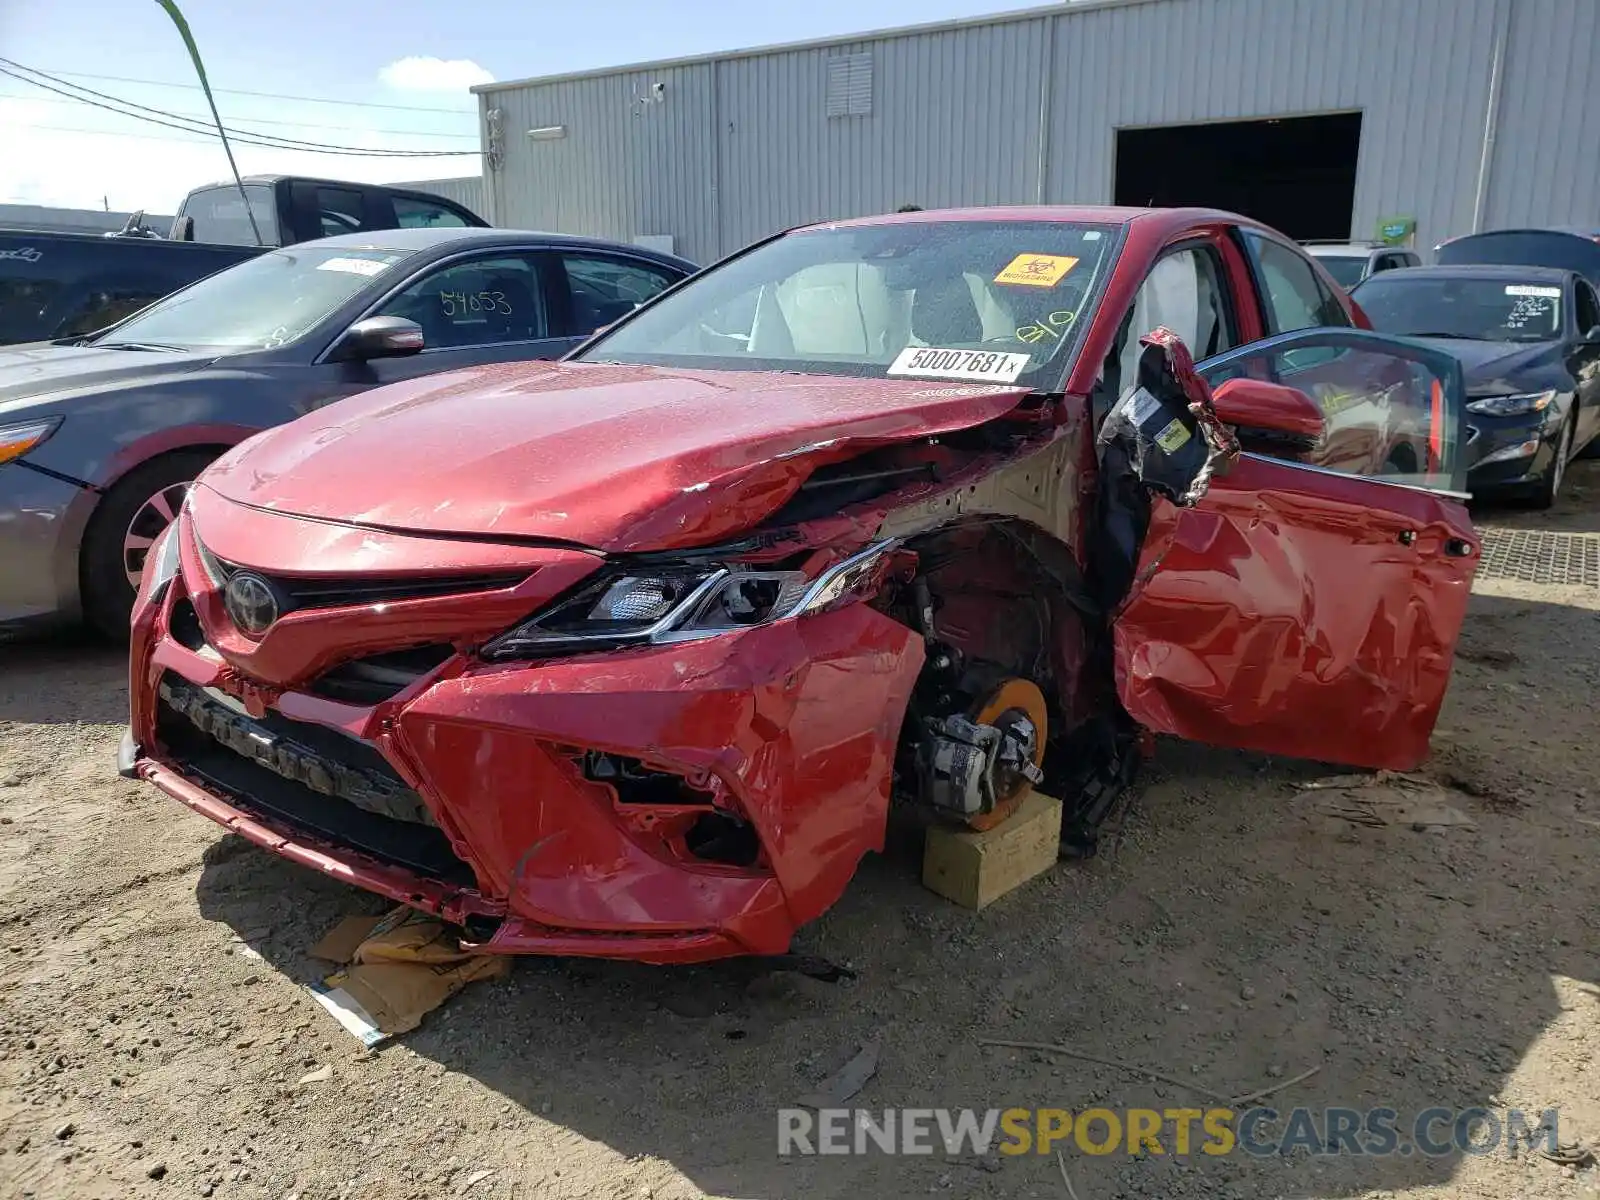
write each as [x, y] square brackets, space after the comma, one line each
[1346, 269]
[992, 301]
[259, 304]
[1490, 310]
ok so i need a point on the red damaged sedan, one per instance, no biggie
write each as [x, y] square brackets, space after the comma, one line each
[629, 655]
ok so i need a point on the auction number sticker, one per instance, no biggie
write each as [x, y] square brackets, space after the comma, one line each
[352, 266]
[1037, 270]
[985, 365]
[1528, 289]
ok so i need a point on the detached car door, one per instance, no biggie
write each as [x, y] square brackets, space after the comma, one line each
[1304, 611]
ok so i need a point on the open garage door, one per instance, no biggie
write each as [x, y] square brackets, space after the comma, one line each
[1297, 174]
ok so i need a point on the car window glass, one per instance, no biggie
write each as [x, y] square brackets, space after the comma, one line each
[1384, 414]
[1346, 269]
[423, 214]
[1587, 311]
[605, 288]
[1489, 309]
[339, 210]
[1293, 297]
[475, 303]
[220, 216]
[261, 303]
[1184, 292]
[105, 306]
[990, 301]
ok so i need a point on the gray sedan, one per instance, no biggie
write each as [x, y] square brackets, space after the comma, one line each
[100, 437]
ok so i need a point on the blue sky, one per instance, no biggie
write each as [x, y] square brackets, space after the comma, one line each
[400, 69]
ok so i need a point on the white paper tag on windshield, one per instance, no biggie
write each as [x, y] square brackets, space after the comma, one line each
[1528, 289]
[352, 266]
[933, 362]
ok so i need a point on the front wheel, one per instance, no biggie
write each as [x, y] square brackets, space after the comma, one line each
[1548, 489]
[134, 513]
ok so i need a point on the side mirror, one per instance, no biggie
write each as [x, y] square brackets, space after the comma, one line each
[1256, 405]
[379, 337]
[1592, 338]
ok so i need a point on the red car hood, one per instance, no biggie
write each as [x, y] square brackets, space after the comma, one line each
[615, 457]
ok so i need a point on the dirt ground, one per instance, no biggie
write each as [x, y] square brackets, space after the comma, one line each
[154, 1022]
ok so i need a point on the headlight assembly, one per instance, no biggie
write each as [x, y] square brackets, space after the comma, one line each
[1519, 405]
[633, 607]
[17, 440]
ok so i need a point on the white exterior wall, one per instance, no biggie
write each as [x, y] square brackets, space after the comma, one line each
[1024, 108]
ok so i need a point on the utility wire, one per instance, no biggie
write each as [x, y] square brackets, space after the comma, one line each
[189, 116]
[247, 139]
[265, 95]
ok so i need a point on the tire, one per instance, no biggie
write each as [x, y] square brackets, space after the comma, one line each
[134, 511]
[1548, 489]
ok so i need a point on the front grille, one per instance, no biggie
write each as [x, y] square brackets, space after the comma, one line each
[380, 677]
[303, 776]
[343, 591]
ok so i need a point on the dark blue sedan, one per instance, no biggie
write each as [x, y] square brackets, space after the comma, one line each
[100, 436]
[1528, 339]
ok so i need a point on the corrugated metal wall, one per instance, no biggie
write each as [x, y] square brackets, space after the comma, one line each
[1025, 108]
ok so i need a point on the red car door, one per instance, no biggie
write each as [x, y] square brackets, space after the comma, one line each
[1301, 611]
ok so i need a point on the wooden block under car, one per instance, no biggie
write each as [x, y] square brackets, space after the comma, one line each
[974, 868]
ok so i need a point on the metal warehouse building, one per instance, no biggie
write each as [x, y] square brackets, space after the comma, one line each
[1321, 117]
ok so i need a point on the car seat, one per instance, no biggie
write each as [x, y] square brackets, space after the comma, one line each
[943, 314]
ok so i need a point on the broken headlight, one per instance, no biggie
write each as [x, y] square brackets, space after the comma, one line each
[637, 607]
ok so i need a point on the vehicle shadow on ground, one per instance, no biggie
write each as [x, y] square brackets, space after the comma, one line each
[63, 678]
[1232, 934]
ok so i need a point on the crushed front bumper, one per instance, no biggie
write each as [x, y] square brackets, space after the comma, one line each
[786, 732]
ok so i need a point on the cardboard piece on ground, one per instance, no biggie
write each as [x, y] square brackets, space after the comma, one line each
[405, 966]
[339, 944]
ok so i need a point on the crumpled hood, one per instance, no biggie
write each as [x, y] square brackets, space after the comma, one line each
[611, 456]
[39, 371]
[1501, 368]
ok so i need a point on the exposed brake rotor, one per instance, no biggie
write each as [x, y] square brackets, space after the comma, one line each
[1017, 709]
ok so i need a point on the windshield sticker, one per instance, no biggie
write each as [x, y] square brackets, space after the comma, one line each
[1052, 326]
[985, 365]
[1036, 270]
[353, 266]
[1528, 289]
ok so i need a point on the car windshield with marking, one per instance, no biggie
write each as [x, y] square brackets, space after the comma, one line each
[259, 304]
[1500, 309]
[987, 301]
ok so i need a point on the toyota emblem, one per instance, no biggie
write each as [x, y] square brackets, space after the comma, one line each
[251, 603]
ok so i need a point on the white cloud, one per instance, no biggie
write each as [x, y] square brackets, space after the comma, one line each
[421, 73]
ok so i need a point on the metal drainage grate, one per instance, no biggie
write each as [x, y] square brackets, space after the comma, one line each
[1540, 556]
